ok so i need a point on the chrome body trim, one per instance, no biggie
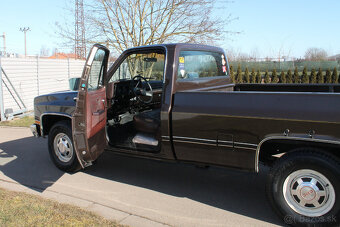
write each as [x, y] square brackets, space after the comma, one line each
[192, 138]
[145, 140]
[224, 145]
[223, 141]
[257, 154]
[165, 63]
[50, 113]
[194, 142]
[34, 130]
[165, 139]
[210, 142]
[248, 144]
[247, 148]
[285, 92]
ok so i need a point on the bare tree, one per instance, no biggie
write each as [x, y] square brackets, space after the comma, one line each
[124, 24]
[315, 54]
[237, 55]
[231, 54]
[44, 52]
[254, 54]
[55, 51]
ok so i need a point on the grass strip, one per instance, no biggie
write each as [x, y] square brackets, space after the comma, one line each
[18, 122]
[22, 209]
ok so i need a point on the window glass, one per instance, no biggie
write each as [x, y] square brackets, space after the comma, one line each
[198, 64]
[147, 65]
[96, 71]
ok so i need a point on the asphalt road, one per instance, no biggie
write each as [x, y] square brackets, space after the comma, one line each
[169, 193]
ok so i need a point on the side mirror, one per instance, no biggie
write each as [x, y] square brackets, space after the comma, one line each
[74, 83]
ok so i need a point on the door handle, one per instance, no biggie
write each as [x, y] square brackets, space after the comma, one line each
[103, 101]
[98, 113]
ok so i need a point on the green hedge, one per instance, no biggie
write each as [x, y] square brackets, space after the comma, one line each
[304, 76]
[285, 65]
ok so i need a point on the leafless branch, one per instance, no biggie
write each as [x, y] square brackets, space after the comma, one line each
[124, 24]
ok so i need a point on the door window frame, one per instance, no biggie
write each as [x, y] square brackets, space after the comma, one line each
[137, 50]
[101, 73]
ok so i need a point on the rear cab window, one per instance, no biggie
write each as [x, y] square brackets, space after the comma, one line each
[194, 65]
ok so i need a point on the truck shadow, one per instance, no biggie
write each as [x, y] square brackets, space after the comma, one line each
[231, 190]
[27, 162]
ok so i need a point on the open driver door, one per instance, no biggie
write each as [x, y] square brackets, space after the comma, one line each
[89, 118]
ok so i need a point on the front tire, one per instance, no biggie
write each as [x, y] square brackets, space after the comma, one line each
[303, 187]
[61, 149]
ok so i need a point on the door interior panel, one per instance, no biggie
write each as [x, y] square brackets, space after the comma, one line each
[96, 114]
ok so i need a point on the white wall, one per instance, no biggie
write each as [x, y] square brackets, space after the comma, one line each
[35, 76]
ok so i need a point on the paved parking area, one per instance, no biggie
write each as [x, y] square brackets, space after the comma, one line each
[137, 192]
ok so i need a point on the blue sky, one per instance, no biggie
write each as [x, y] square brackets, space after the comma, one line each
[39, 15]
[290, 25]
[267, 27]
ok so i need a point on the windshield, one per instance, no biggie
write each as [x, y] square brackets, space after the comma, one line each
[148, 65]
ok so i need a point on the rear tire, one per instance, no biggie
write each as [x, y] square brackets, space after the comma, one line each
[61, 149]
[303, 187]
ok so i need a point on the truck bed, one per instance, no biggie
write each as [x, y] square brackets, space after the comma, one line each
[331, 88]
[245, 117]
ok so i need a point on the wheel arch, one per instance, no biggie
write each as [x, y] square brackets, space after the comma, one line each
[47, 120]
[274, 145]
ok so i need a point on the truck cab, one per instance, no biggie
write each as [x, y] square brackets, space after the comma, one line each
[128, 107]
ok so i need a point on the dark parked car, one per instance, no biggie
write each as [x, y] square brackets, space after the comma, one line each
[177, 102]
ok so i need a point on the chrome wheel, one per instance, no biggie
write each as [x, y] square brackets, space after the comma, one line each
[309, 193]
[63, 147]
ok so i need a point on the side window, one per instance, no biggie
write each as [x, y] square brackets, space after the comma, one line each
[96, 71]
[198, 64]
[148, 65]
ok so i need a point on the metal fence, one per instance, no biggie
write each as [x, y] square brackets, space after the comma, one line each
[22, 79]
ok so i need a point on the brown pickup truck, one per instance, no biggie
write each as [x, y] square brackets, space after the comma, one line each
[177, 102]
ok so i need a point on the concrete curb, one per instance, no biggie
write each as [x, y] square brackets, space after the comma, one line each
[107, 212]
[14, 127]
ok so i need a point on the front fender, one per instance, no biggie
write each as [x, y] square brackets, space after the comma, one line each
[45, 125]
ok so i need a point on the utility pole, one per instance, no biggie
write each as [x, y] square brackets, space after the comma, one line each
[24, 30]
[79, 36]
[4, 41]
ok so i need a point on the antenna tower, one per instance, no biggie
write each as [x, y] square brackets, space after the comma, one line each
[80, 46]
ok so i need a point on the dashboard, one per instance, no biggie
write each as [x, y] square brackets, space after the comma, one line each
[122, 98]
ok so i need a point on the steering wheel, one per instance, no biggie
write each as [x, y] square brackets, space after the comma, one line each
[142, 89]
